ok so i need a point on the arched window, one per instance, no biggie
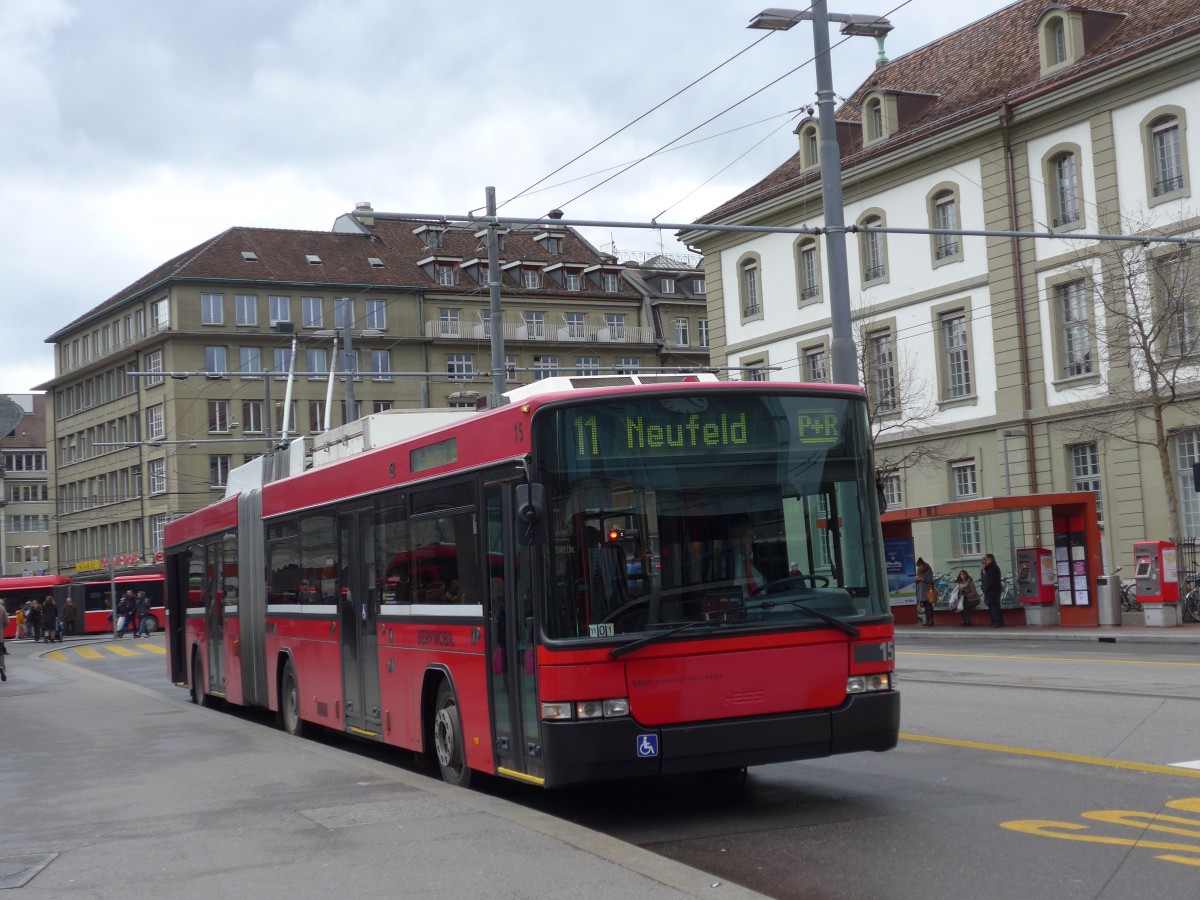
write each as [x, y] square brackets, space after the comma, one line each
[749, 287]
[1064, 196]
[943, 216]
[810, 143]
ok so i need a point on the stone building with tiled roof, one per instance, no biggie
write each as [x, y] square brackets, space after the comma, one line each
[24, 491]
[164, 387]
[998, 357]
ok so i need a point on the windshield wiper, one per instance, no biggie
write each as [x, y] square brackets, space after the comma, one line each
[656, 637]
[824, 617]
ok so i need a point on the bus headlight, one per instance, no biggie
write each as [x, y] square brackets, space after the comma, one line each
[602, 709]
[869, 684]
[552, 712]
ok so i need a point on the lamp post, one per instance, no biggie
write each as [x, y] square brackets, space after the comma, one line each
[841, 349]
[1012, 549]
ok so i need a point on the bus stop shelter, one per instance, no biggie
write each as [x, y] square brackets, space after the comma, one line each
[1075, 543]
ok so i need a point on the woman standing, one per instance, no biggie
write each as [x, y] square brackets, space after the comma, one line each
[968, 596]
[3, 648]
[925, 588]
[49, 619]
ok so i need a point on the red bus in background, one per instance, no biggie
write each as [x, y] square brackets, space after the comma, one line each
[93, 595]
[16, 592]
[553, 662]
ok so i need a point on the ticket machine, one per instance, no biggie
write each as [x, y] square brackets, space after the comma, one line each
[1037, 582]
[1156, 570]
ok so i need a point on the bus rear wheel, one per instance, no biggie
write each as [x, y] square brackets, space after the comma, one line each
[447, 738]
[199, 697]
[289, 702]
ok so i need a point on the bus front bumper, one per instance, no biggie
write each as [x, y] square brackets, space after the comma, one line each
[605, 749]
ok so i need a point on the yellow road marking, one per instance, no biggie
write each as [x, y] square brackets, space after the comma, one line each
[55, 654]
[89, 653]
[1112, 662]
[1149, 768]
[152, 648]
[120, 651]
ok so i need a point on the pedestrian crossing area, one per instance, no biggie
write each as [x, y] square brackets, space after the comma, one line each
[94, 652]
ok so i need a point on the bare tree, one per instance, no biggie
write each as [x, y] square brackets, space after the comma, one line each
[1138, 313]
[901, 402]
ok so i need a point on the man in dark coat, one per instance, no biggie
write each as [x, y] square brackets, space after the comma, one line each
[990, 586]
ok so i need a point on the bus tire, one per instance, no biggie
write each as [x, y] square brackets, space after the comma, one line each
[448, 739]
[151, 624]
[199, 697]
[289, 702]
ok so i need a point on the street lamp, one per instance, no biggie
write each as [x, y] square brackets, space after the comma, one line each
[841, 350]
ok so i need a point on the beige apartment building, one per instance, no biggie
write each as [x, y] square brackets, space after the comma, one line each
[25, 545]
[163, 388]
[999, 364]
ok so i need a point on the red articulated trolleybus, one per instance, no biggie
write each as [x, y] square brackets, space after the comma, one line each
[16, 591]
[603, 578]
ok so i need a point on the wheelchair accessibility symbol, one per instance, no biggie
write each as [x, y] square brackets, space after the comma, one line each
[647, 745]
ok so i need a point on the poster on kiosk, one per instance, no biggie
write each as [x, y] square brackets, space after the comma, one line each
[1157, 574]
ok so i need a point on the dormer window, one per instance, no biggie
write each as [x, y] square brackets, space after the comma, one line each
[668, 285]
[446, 274]
[874, 120]
[430, 236]
[810, 142]
[1056, 40]
[611, 282]
[531, 278]
[573, 280]
[554, 246]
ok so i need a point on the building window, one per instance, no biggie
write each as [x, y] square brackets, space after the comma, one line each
[1085, 473]
[343, 313]
[1186, 445]
[576, 327]
[316, 416]
[955, 341]
[460, 366]
[615, 322]
[215, 361]
[449, 324]
[1076, 329]
[1063, 182]
[282, 361]
[627, 365]
[252, 416]
[702, 331]
[966, 487]
[755, 370]
[157, 469]
[446, 275]
[531, 278]
[535, 326]
[572, 281]
[668, 285]
[279, 309]
[212, 309]
[944, 217]
[510, 367]
[893, 496]
[554, 246]
[872, 250]
[381, 364]
[810, 144]
[218, 416]
[873, 120]
[313, 312]
[245, 309]
[544, 367]
[698, 287]
[1177, 303]
[155, 423]
[611, 282]
[376, 315]
[160, 317]
[380, 406]
[816, 365]
[587, 365]
[251, 360]
[315, 360]
[1166, 158]
[1056, 41]
[681, 332]
[157, 524]
[808, 264]
[218, 470]
[153, 363]
[748, 282]
[882, 356]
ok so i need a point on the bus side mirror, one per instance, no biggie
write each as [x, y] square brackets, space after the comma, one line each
[531, 514]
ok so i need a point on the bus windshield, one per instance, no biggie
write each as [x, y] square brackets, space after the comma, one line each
[734, 509]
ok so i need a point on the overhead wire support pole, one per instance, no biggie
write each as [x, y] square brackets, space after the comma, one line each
[496, 316]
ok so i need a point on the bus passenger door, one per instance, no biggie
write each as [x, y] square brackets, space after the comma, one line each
[214, 618]
[511, 648]
[358, 610]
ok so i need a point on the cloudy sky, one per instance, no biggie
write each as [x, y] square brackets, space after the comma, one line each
[136, 129]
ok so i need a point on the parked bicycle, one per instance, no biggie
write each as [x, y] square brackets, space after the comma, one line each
[1129, 600]
[1191, 600]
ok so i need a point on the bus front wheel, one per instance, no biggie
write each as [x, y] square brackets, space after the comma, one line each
[289, 702]
[199, 697]
[447, 738]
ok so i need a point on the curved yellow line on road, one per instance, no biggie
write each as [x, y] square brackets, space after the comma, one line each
[1070, 659]
[1150, 768]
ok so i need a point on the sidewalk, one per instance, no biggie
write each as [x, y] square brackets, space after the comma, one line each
[1108, 634]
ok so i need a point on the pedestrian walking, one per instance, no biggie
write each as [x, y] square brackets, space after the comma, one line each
[33, 621]
[70, 615]
[49, 619]
[142, 609]
[926, 592]
[124, 612]
[20, 617]
[3, 646]
[990, 585]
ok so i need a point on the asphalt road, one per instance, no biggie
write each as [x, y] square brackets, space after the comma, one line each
[1026, 770]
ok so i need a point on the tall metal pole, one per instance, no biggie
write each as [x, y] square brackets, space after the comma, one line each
[496, 316]
[841, 351]
[350, 369]
[1012, 543]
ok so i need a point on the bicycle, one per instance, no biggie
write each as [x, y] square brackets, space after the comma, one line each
[1129, 600]
[1191, 600]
